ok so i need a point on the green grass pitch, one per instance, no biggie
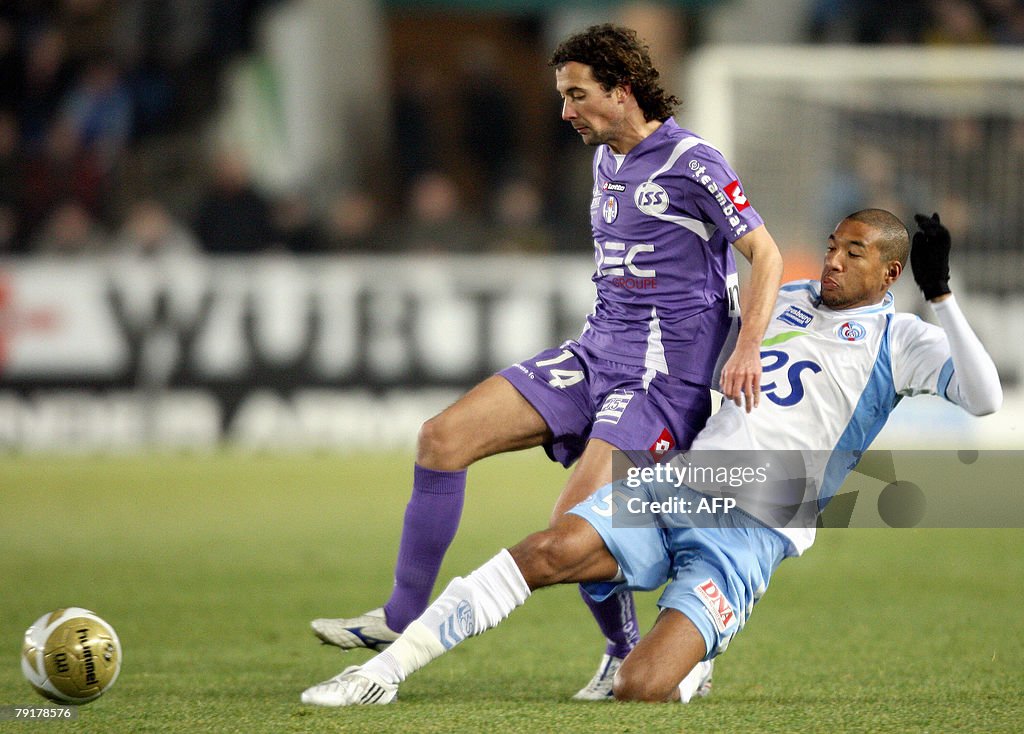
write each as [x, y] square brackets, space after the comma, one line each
[211, 567]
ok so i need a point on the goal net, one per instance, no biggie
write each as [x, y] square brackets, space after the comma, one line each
[818, 132]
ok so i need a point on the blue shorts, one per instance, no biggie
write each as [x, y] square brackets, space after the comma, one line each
[581, 396]
[715, 575]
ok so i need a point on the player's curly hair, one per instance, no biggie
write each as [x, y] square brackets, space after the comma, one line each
[617, 57]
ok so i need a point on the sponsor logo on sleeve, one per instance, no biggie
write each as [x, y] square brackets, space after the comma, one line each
[731, 198]
[736, 196]
[711, 596]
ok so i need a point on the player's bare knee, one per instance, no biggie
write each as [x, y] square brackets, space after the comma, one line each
[437, 446]
[631, 684]
[540, 558]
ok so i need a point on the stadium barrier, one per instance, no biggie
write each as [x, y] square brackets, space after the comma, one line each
[281, 352]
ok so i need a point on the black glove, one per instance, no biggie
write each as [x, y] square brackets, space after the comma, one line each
[929, 256]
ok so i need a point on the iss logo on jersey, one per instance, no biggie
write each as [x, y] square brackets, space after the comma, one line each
[711, 596]
[736, 196]
[851, 331]
[663, 445]
[610, 210]
[614, 406]
[651, 199]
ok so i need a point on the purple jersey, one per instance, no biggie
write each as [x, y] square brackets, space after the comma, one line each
[664, 216]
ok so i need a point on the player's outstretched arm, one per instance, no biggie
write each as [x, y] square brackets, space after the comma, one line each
[741, 376]
[974, 385]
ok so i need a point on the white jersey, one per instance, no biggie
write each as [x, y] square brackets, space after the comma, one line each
[829, 381]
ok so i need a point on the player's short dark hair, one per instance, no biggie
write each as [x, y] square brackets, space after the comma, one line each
[617, 57]
[894, 242]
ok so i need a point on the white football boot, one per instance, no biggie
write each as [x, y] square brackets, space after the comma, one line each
[369, 630]
[600, 686]
[351, 687]
[697, 683]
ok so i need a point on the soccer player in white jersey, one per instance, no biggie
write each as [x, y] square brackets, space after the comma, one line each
[837, 358]
[666, 212]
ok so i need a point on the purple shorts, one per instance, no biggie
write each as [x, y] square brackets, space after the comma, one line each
[581, 396]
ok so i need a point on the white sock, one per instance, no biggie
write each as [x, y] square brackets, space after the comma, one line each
[691, 682]
[467, 607]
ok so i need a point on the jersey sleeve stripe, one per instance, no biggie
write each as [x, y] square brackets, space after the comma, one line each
[945, 375]
[681, 147]
[704, 230]
[865, 423]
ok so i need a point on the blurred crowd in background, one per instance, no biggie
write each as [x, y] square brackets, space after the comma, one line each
[103, 108]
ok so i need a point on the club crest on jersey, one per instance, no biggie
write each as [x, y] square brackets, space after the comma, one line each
[614, 406]
[651, 199]
[720, 608]
[610, 209]
[663, 445]
[851, 331]
[796, 316]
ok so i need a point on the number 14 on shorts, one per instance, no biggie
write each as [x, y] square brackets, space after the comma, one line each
[561, 378]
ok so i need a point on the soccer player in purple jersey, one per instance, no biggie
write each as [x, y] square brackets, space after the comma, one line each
[666, 207]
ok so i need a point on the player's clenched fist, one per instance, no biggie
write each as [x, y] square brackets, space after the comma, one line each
[929, 256]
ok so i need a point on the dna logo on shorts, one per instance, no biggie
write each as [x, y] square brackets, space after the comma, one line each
[851, 331]
[721, 610]
[651, 199]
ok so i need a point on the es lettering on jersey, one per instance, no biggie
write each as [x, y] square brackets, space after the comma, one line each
[829, 380]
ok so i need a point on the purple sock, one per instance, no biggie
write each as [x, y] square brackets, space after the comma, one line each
[431, 519]
[616, 616]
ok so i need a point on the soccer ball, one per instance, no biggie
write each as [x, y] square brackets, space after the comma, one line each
[71, 656]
